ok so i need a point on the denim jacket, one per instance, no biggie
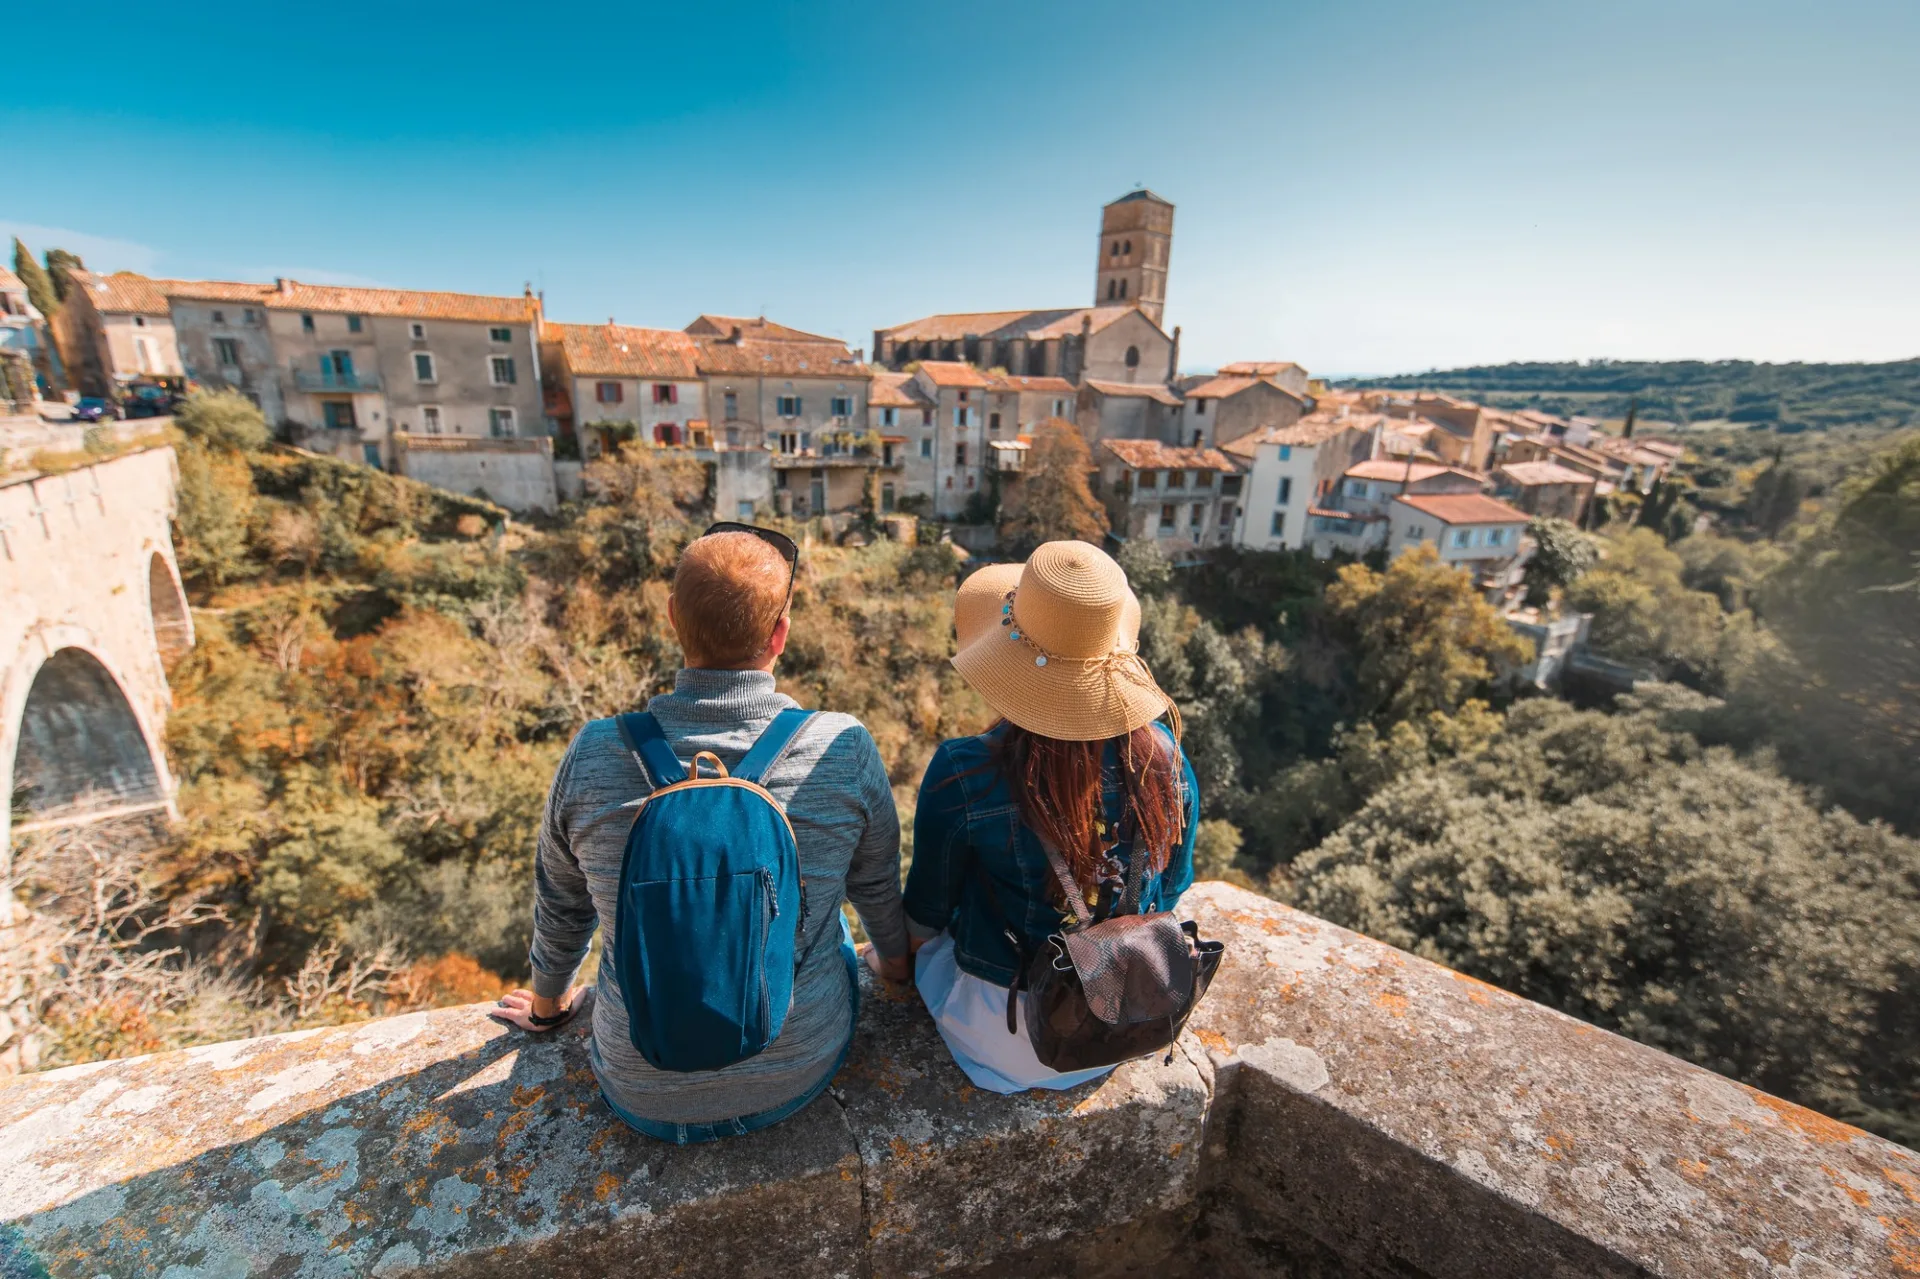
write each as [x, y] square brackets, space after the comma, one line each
[967, 815]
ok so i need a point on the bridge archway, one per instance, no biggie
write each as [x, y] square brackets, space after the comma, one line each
[82, 753]
[172, 623]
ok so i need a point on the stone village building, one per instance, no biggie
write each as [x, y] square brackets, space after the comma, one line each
[352, 368]
[609, 382]
[113, 329]
[1290, 470]
[1186, 499]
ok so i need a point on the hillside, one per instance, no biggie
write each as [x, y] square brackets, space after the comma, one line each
[1784, 397]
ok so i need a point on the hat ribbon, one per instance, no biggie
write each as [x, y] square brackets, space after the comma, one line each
[1123, 662]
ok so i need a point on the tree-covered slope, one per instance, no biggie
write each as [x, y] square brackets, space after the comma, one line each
[1785, 397]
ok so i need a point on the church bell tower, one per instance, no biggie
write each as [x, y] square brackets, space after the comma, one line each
[1136, 237]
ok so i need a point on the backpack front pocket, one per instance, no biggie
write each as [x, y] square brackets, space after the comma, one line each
[692, 963]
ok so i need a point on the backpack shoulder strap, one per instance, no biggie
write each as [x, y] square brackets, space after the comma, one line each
[643, 737]
[763, 754]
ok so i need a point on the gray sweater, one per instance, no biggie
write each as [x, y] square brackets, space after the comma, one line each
[836, 795]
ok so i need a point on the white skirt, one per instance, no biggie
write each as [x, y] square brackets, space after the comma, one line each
[972, 1016]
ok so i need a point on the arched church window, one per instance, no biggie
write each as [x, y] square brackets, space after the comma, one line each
[1133, 357]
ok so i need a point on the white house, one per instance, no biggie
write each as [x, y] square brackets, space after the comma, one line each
[1290, 469]
[1469, 530]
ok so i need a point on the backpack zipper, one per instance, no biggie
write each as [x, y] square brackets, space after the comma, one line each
[766, 938]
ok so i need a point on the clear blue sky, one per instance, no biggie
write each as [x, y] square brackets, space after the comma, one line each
[1366, 186]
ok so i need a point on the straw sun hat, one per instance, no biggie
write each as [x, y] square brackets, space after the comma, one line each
[1051, 645]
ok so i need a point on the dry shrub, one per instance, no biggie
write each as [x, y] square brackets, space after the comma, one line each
[447, 981]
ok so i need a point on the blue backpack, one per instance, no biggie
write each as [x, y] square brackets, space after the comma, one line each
[710, 904]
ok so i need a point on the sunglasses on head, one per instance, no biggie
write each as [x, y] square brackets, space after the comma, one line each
[788, 548]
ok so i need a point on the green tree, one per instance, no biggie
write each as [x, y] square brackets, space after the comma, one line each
[1055, 502]
[58, 260]
[1840, 700]
[1607, 866]
[1149, 570]
[223, 420]
[1424, 639]
[1643, 610]
[1775, 499]
[1561, 554]
[39, 288]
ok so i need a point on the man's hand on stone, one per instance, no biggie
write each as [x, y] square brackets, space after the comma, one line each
[520, 1007]
[898, 970]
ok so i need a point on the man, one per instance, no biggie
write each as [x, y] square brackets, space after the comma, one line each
[732, 592]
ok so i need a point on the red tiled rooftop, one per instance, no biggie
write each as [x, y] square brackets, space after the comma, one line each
[1464, 508]
[1152, 455]
[611, 350]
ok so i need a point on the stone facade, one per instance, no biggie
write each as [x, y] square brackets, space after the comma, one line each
[1216, 411]
[1184, 499]
[112, 329]
[1334, 1108]
[1290, 471]
[1115, 343]
[617, 373]
[1128, 411]
[90, 611]
[771, 387]
[1136, 242]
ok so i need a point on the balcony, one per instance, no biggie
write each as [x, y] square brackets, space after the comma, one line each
[344, 383]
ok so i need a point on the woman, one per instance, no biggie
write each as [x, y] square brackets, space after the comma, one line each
[1076, 759]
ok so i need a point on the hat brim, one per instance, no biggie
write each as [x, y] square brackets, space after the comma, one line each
[1070, 701]
[976, 606]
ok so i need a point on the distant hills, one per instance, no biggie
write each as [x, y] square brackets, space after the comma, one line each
[1692, 393]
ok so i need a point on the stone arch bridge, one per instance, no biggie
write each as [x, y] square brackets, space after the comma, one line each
[90, 611]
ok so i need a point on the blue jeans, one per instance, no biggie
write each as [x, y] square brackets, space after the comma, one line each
[694, 1134]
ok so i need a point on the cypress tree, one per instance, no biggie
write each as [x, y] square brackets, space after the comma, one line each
[34, 276]
[58, 260]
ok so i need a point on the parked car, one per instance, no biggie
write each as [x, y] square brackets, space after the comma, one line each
[94, 409]
[146, 399]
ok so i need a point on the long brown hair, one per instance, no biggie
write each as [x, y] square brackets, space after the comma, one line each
[1057, 787]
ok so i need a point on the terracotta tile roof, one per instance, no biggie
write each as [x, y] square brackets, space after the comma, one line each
[10, 282]
[753, 328]
[953, 373]
[123, 292]
[1315, 428]
[1528, 474]
[1219, 388]
[1354, 517]
[618, 350]
[1259, 368]
[1666, 448]
[1037, 325]
[779, 358]
[477, 308]
[1138, 390]
[215, 291]
[1152, 455]
[893, 391]
[1463, 508]
[1381, 468]
[1054, 385]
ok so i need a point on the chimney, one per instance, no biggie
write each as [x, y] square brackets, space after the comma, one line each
[283, 284]
[734, 335]
[1173, 356]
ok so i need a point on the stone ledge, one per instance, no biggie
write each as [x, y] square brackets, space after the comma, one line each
[1338, 1107]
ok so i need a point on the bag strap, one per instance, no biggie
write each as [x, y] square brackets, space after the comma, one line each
[1021, 957]
[642, 734]
[1069, 888]
[766, 752]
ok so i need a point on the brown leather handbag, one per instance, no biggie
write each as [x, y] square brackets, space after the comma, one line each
[1108, 991]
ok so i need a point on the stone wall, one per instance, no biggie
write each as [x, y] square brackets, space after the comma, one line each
[516, 473]
[1336, 1108]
